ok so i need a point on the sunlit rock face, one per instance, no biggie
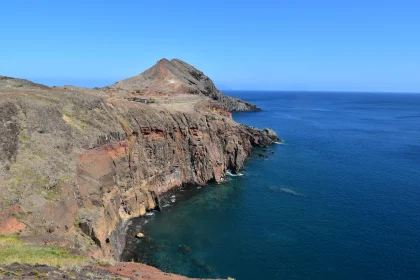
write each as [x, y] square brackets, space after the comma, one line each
[77, 164]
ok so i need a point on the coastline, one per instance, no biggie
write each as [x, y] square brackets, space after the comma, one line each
[127, 230]
[144, 249]
[167, 199]
[81, 163]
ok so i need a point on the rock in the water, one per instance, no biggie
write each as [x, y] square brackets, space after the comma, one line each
[185, 249]
[262, 155]
[270, 133]
[140, 235]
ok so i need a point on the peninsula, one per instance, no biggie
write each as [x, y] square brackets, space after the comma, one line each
[77, 164]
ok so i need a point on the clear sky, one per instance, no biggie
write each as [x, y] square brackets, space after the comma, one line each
[357, 45]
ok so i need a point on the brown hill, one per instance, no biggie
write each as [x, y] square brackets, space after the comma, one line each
[178, 77]
[9, 84]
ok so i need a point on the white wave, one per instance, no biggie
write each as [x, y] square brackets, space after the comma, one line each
[321, 109]
[229, 173]
[309, 109]
[286, 190]
[173, 200]
[279, 143]
[166, 205]
[150, 213]
[288, 116]
[290, 191]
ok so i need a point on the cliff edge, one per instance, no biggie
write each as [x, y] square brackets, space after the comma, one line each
[77, 164]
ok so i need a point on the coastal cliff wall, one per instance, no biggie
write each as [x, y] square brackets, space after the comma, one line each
[161, 150]
[77, 166]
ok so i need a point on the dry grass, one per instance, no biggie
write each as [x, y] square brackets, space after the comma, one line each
[14, 250]
[69, 120]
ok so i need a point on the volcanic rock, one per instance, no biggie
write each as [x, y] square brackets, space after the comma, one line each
[80, 163]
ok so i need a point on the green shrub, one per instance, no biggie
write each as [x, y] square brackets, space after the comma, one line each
[14, 250]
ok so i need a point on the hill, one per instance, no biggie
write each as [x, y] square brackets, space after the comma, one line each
[172, 77]
[8, 83]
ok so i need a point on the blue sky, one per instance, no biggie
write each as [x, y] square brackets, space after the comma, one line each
[288, 45]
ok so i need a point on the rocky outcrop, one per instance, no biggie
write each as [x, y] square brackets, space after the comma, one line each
[79, 164]
[175, 77]
[141, 271]
[26, 271]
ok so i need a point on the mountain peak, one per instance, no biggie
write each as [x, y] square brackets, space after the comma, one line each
[172, 77]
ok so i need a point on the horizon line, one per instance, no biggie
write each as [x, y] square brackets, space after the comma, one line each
[37, 80]
[321, 91]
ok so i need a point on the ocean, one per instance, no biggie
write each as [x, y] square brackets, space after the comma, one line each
[339, 199]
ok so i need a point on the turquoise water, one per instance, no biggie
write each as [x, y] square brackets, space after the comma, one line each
[340, 199]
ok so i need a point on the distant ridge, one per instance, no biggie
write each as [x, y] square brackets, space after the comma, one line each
[8, 83]
[175, 76]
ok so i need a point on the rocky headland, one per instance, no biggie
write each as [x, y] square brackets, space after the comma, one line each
[77, 164]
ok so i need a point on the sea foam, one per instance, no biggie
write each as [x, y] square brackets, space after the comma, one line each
[229, 173]
[286, 190]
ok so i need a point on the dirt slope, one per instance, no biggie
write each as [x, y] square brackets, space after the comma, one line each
[177, 77]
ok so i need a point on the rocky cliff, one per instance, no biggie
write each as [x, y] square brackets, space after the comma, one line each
[77, 164]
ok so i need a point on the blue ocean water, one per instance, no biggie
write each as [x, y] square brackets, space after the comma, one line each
[340, 199]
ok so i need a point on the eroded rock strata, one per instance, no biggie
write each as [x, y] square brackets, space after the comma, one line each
[77, 164]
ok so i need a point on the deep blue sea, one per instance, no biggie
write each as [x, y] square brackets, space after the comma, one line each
[340, 199]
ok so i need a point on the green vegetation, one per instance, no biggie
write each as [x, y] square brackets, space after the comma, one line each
[52, 194]
[38, 274]
[14, 250]
[71, 122]
[9, 273]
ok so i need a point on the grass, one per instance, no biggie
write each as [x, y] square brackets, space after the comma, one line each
[68, 120]
[14, 250]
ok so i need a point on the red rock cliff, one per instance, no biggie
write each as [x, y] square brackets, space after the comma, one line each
[77, 164]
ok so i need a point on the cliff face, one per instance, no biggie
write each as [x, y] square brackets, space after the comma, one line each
[176, 76]
[77, 164]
